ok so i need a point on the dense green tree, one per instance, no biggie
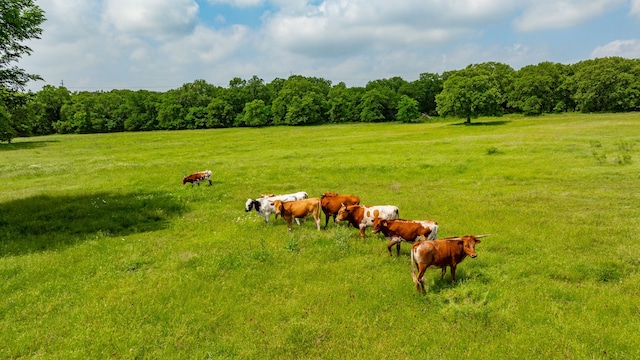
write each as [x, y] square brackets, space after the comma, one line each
[142, 109]
[46, 105]
[536, 89]
[343, 103]
[469, 93]
[301, 101]
[408, 110]
[376, 104]
[424, 90]
[255, 113]
[607, 84]
[220, 114]
[20, 21]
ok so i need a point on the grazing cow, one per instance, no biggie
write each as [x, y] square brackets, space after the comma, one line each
[298, 209]
[264, 207]
[405, 230]
[197, 177]
[361, 216]
[331, 203]
[441, 253]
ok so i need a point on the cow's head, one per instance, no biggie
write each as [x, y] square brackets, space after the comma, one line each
[343, 213]
[469, 242]
[378, 224]
[329, 194]
[250, 204]
[278, 205]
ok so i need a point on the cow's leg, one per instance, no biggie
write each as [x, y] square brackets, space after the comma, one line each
[210, 182]
[317, 219]
[444, 271]
[420, 284]
[326, 219]
[297, 221]
[362, 228]
[398, 248]
[394, 241]
[453, 273]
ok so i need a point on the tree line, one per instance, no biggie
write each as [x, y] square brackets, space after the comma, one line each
[487, 89]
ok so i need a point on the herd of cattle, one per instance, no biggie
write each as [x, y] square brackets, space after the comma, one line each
[426, 250]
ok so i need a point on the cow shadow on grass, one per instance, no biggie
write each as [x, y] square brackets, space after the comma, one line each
[51, 222]
[483, 123]
[25, 145]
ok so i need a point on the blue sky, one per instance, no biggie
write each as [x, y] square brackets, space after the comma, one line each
[162, 44]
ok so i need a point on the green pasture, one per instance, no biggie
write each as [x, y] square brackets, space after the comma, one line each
[104, 254]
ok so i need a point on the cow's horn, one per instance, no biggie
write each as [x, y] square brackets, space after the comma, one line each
[481, 236]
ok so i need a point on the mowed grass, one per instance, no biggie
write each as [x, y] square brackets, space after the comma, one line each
[105, 254]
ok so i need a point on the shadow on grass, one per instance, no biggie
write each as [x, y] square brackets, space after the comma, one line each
[47, 222]
[25, 145]
[481, 123]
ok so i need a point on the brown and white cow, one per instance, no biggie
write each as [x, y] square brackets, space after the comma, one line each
[405, 230]
[197, 177]
[441, 253]
[298, 209]
[362, 216]
[331, 203]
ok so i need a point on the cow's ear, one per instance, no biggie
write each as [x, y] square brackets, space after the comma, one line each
[461, 242]
[477, 241]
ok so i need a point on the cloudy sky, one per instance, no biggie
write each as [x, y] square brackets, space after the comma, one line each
[162, 44]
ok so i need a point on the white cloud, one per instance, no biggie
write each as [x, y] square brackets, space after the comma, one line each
[341, 27]
[624, 48]
[635, 8]
[558, 14]
[156, 19]
[238, 3]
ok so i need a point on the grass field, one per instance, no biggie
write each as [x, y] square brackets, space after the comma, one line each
[105, 254]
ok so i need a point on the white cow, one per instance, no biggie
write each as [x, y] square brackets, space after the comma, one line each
[264, 204]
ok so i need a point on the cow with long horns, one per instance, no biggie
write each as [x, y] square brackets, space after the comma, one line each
[441, 253]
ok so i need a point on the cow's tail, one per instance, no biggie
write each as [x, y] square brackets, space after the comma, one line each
[414, 266]
[434, 233]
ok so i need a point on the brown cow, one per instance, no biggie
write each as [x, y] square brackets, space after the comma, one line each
[405, 230]
[197, 177]
[331, 203]
[441, 253]
[298, 209]
[362, 216]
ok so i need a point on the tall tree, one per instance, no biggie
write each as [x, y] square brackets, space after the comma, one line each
[19, 21]
[469, 93]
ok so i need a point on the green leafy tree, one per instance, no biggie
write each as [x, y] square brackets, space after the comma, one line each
[424, 90]
[408, 110]
[19, 21]
[220, 113]
[469, 93]
[301, 101]
[46, 105]
[537, 89]
[343, 103]
[255, 113]
[376, 104]
[142, 109]
[607, 84]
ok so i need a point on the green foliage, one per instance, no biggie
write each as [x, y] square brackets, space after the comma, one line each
[20, 21]
[607, 84]
[470, 93]
[486, 89]
[408, 110]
